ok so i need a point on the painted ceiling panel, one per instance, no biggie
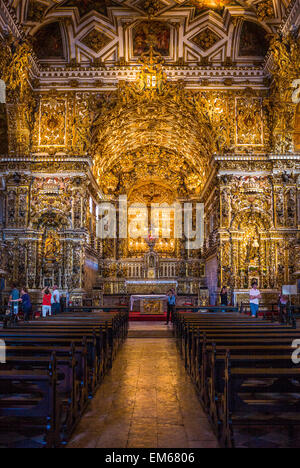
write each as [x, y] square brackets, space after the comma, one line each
[168, 25]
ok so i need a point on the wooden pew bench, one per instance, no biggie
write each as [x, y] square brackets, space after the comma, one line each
[261, 370]
[102, 337]
[29, 403]
[94, 366]
[213, 371]
[71, 382]
[194, 337]
[230, 340]
[245, 404]
[85, 348]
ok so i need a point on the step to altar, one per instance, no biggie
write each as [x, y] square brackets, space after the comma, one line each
[149, 330]
[138, 317]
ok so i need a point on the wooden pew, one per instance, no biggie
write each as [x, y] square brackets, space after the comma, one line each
[241, 401]
[37, 408]
[71, 388]
[254, 347]
[213, 370]
[85, 347]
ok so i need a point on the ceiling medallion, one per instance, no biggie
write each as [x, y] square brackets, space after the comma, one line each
[152, 78]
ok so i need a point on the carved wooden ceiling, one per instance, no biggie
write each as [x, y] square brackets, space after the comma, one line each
[115, 31]
[162, 139]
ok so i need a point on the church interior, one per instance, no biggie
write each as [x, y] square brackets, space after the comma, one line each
[173, 117]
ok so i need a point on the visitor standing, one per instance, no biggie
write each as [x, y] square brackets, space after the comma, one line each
[26, 304]
[255, 296]
[171, 306]
[224, 296]
[46, 307]
[14, 300]
[55, 301]
[283, 302]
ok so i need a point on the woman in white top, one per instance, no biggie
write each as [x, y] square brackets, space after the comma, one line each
[254, 299]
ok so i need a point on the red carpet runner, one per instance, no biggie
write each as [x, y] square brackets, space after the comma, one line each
[138, 317]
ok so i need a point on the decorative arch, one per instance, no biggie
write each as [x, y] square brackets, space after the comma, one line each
[50, 219]
[262, 219]
[49, 41]
[252, 41]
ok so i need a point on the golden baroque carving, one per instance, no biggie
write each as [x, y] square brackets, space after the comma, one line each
[265, 10]
[249, 122]
[286, 68]
[190, 124]
[286, 53]
[15, 64]
[151, 163]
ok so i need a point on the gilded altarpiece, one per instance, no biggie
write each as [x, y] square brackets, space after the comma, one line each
[258, 225]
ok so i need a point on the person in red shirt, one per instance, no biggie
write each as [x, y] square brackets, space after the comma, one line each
[46, 309]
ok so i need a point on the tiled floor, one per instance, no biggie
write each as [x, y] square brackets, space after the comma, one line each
[147, 401]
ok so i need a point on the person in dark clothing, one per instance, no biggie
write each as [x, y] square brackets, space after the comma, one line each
[283, 303]
[171, 306]
[224, 296]
[26, 304]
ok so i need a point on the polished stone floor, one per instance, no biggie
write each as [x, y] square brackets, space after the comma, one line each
[146, 401]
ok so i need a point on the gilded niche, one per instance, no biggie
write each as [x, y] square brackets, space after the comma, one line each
[50, 195]
[249, 122]
[52, 247]
[52, 122]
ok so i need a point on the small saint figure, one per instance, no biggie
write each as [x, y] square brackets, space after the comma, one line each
[252, 249]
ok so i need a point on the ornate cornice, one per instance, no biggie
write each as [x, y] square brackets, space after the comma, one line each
[45, 158]
[107, 78]
[240, 157]
[256, 157]
[12, 21]
[292, 17]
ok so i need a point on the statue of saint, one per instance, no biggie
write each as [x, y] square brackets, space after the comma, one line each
[252, 249]
[52, 247]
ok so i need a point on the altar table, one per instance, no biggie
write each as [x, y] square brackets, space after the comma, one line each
[150, 304]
